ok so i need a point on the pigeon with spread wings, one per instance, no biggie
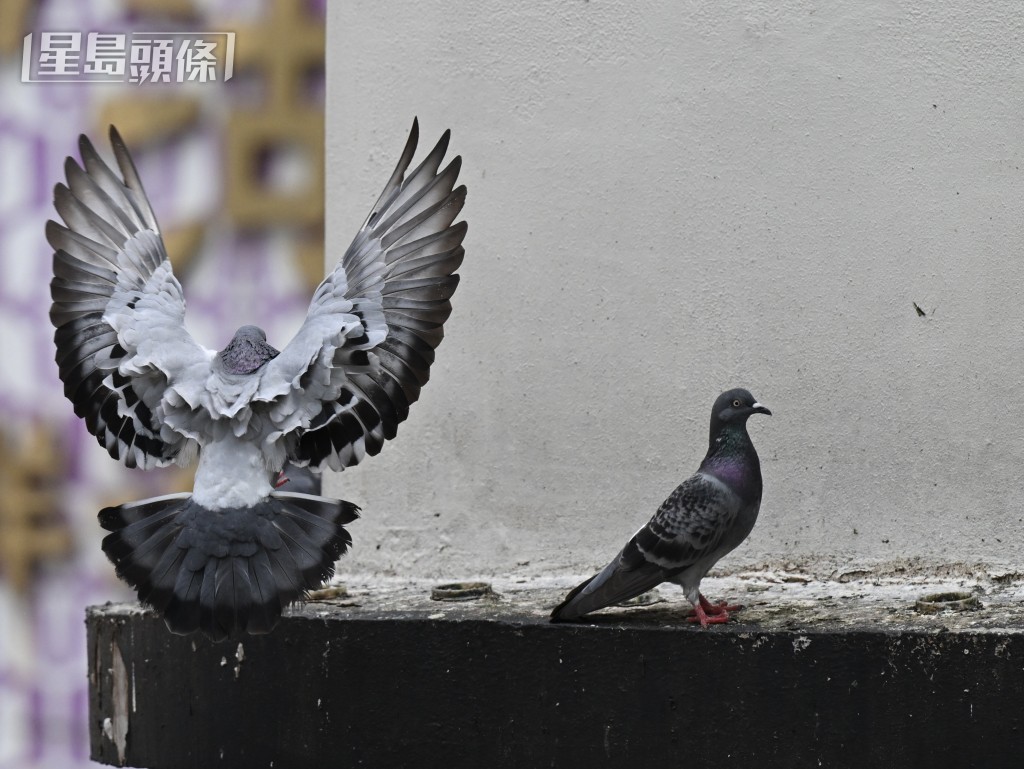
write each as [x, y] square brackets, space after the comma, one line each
[228, 557]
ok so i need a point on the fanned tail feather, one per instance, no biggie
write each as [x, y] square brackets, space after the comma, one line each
[228, 571]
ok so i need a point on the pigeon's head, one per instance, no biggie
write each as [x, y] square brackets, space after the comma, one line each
[733, 407]
[247, 351]
[251, 332]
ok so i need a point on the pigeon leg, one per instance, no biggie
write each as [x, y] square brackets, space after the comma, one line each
[281, 480]
[717, 608]
[707, 613]
[720, 617]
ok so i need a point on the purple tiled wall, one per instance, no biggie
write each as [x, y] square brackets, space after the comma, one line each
[43, 687]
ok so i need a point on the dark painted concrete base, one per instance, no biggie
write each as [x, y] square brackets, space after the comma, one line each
[340, 687]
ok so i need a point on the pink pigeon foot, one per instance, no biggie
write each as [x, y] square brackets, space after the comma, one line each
[717, 608]
[281, 480]
[707, 613]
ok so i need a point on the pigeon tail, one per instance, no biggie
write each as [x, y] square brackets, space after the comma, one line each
[613, 584]
[226, 571]
[569, 609]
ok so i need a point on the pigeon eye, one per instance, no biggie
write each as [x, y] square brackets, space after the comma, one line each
[737, 403]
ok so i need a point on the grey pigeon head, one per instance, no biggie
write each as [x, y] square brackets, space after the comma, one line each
[247, 351]
[734, 407]
[731, 456]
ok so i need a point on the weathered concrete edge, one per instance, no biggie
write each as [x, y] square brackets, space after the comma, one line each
[379, 688]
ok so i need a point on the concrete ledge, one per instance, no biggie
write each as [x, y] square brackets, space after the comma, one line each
[381, 676]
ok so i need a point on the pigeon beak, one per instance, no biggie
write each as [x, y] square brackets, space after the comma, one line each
[759, 409]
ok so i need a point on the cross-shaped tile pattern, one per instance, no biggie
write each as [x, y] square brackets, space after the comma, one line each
[55, 479]
[32, 529]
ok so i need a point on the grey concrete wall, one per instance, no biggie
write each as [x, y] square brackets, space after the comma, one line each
[668, 199]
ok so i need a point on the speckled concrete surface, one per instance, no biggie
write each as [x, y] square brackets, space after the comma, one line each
[773, 600]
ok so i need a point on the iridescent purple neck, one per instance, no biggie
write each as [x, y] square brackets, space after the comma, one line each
[731, 458]
[739, 473]
[732, 471]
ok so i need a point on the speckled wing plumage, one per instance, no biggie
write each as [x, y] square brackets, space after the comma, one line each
[688, 529]
[397, 277]
[118, 312]
[689, 525]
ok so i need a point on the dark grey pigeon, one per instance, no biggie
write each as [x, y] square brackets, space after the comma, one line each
[230, 556]
[707, 516]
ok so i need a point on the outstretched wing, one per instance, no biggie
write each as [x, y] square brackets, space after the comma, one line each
[346, 381]
[119, 311]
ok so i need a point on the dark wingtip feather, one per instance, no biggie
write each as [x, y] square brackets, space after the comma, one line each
[71, 167]
[54, 233]
[84, 145]
[454, 167]
[442, 145]
[406, 157]
[121, 154]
